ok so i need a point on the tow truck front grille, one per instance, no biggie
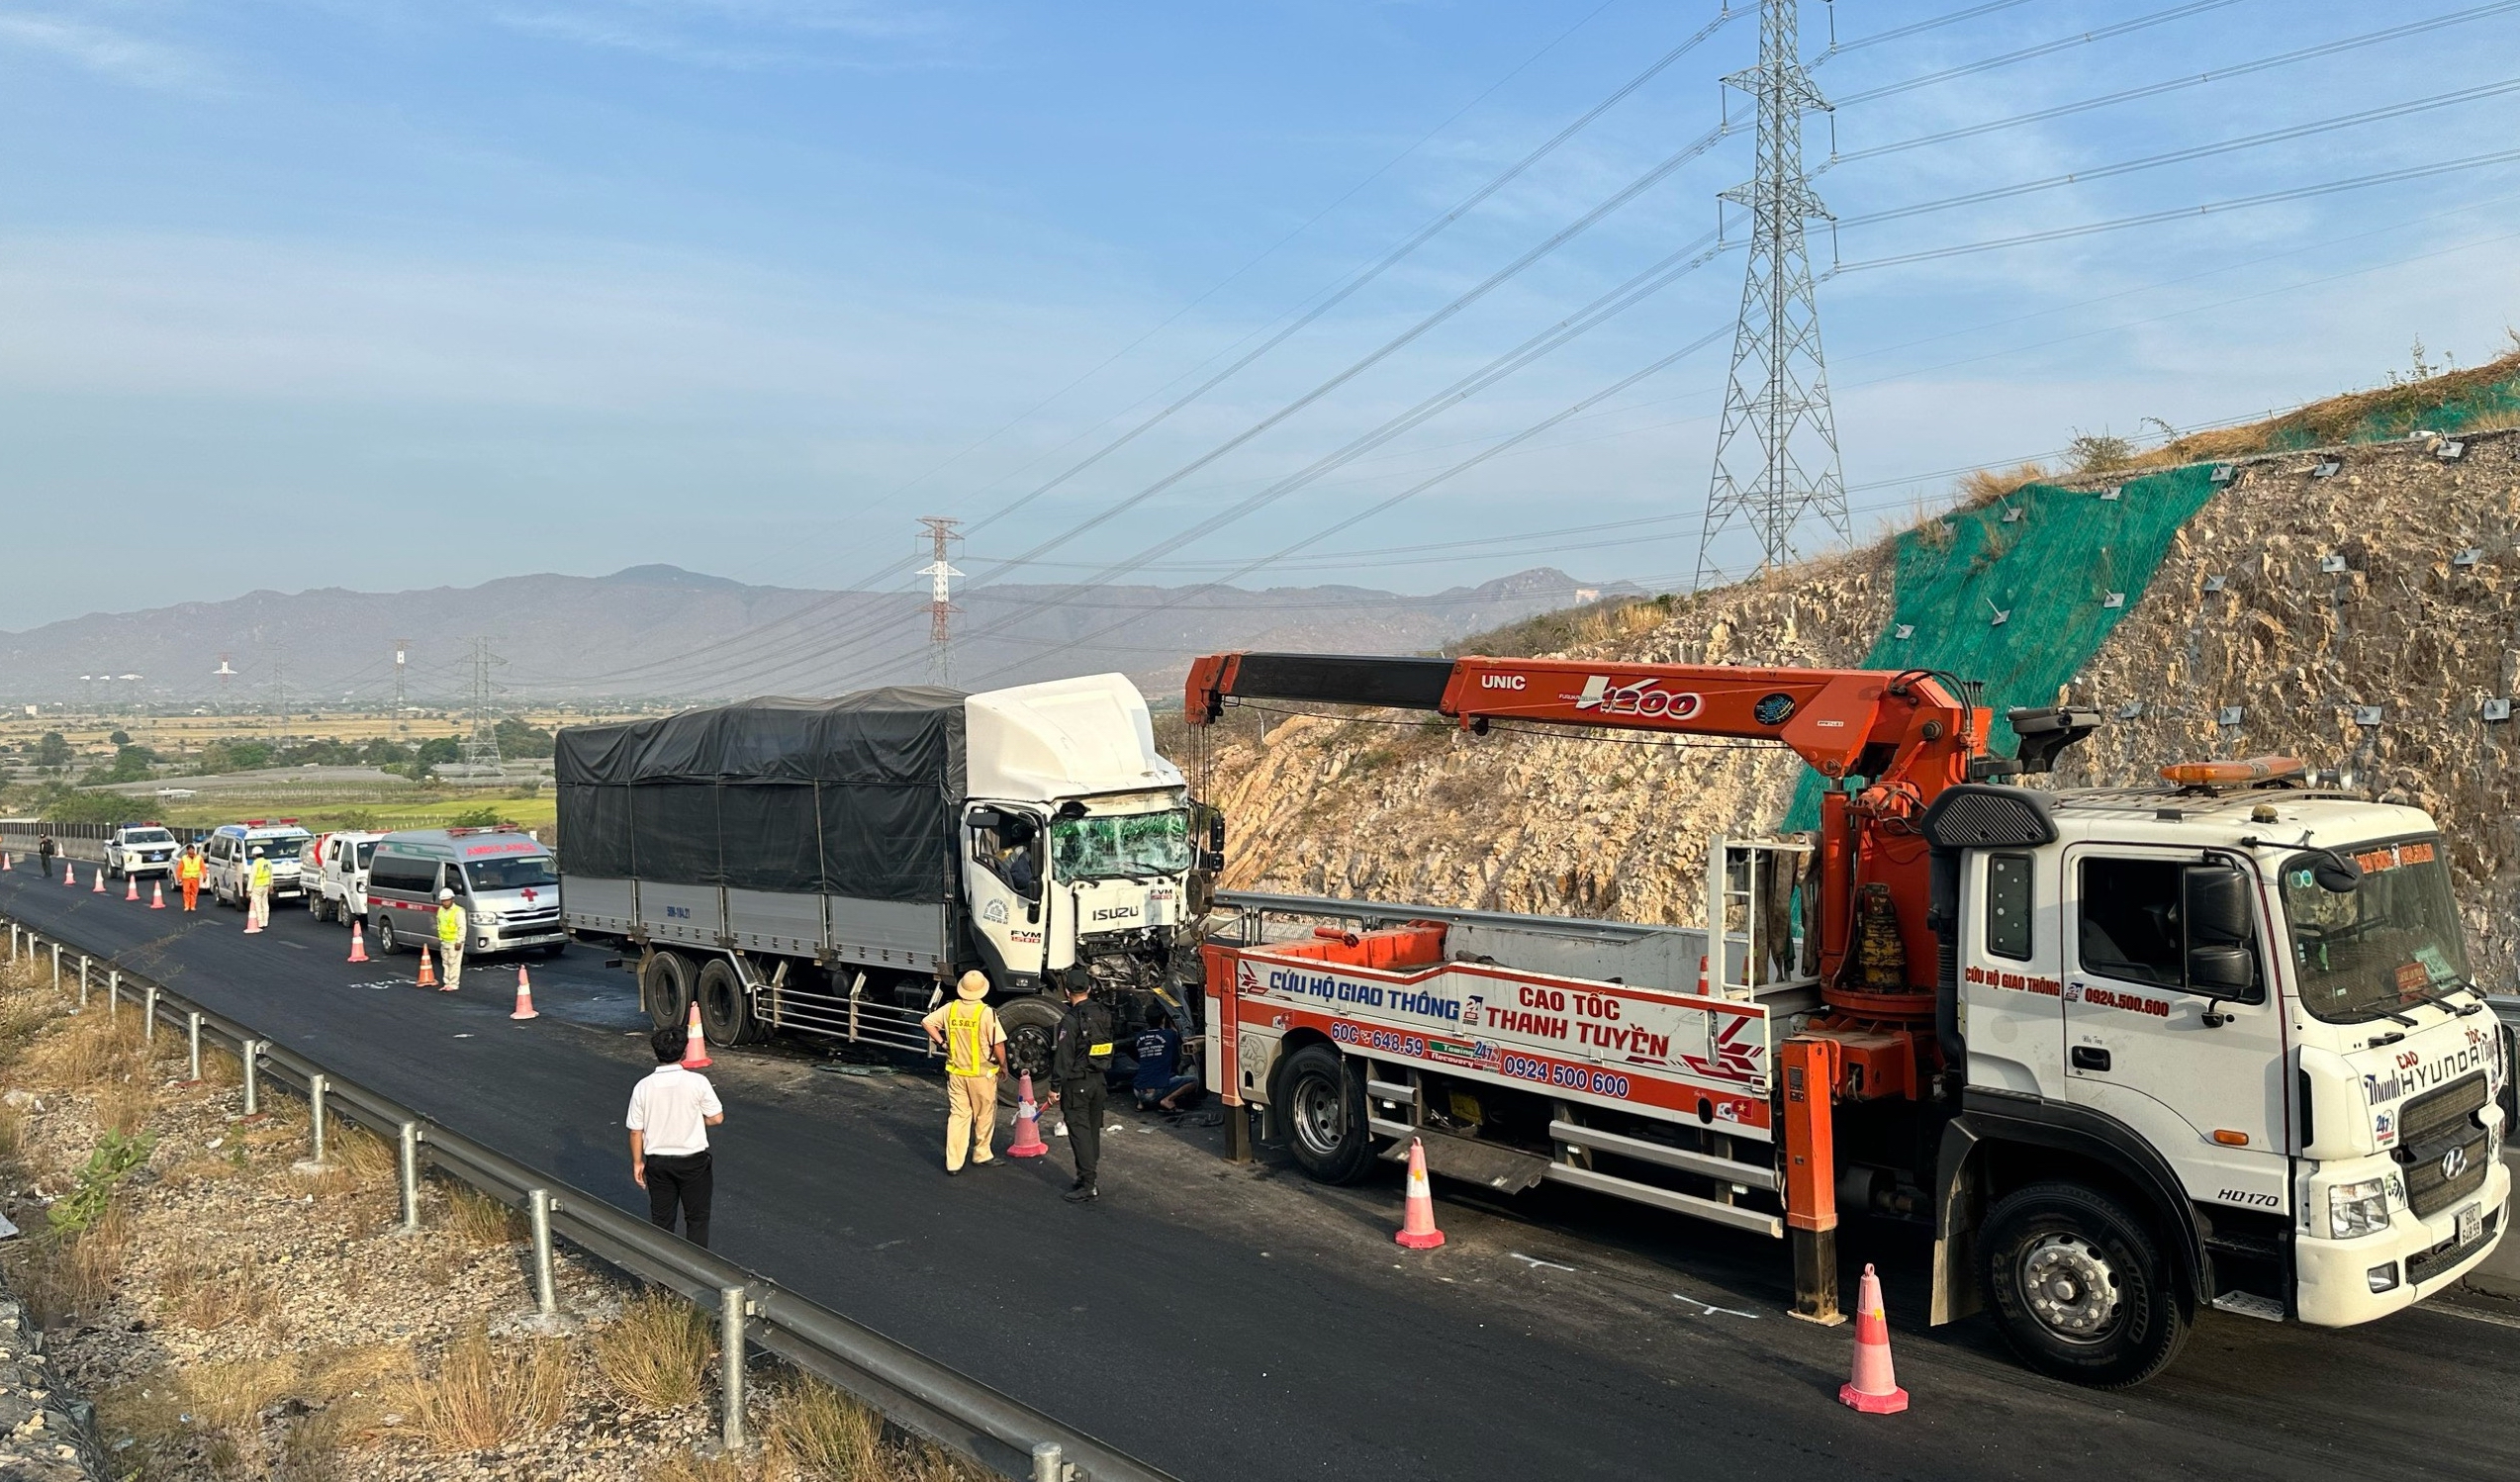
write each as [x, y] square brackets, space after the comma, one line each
[2441, 1145]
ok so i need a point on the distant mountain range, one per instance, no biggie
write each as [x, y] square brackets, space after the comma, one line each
[663, 633]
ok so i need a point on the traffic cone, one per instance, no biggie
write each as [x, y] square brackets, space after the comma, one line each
[99, 887]
[1417, 1227]
[428, 974]
[157, 896]
[131, 888]
[70, 875]
[1874, 1387]
[1028, 1142]
[524, 997]
[4, 860]
[1702, 985]
[358, 940]
[694, 1044]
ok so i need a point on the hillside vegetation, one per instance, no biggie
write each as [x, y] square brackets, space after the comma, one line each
[1399, 808]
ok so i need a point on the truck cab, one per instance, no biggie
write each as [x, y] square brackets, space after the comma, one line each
[1076, 844]
[2214, 1047]
[335, 875]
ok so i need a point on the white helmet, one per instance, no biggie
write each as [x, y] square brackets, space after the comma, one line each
[446, 895]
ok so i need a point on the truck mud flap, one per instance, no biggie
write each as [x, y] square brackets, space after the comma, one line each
[1508, 1171]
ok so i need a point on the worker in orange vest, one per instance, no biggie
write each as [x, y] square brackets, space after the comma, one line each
[189, 871]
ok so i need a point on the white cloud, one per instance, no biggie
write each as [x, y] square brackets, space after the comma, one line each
[107, 53]
[743, 35]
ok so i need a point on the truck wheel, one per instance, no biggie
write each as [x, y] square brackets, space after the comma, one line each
[1031, 1023]
[2080, 1286]
[665, 987]
[726, 1010]
[1320, 1102]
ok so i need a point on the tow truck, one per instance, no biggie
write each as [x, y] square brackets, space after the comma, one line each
[2128, 1052]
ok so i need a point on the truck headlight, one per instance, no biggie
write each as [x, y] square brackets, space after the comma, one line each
[2360, 1208]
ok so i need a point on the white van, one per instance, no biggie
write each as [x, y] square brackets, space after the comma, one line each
[228, 854]
[335, 875]
[503, 877]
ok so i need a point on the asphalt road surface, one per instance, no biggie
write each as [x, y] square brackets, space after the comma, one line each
[1244, 1325]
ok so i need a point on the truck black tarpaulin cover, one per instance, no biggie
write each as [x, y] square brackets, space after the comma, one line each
[849, 796]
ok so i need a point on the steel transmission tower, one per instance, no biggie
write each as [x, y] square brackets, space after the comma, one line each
[940, 604]
[481, 747]
[1776, 456]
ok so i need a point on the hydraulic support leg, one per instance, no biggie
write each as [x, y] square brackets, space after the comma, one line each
[1811, 1175]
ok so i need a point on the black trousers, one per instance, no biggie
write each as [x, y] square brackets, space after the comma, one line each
[1084, 1101]
[685, 1181]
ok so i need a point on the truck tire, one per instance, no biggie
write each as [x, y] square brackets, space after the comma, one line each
[2080, 1286]
[665, 988]
[726, 1010]
[1031, 1022]
[1320, 1099]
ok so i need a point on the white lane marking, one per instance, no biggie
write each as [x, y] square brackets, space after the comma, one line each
[1535, 1261]
[2473, 1316]
[1710, 1309]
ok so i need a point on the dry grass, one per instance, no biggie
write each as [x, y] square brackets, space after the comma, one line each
[326, 1400]
[67, 1277]
[481, 1398]
[1987, 485]
[2491, 422]
[356, 1161]
[207, 1299]
[13, 1131]
[658, 1353]
[817, 1432]
[84, 1054]
[479, 1220]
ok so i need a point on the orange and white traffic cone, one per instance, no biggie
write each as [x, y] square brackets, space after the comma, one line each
[1702, 985]
[427, 972]
[157, 896]
[358, 940]
[70, 875]
[1416, 1226]
[694, 1044]
[131, 888]
[524, 997]
[99, 887]
[1028, 1142]
[1874, 1386]
[4, 860]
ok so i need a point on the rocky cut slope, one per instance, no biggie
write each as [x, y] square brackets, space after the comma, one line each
[2357, 619]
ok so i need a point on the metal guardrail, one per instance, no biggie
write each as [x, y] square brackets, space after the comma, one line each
[994, 1429]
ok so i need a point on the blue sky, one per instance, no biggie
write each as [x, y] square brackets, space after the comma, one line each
[367, 293]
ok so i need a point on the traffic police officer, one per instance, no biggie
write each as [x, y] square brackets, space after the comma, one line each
[1080, 1052]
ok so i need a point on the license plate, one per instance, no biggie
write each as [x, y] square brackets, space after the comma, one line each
[2472, 1224]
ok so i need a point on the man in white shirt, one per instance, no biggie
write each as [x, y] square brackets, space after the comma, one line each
[671, 1113]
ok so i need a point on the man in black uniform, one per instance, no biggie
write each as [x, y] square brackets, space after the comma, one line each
[1080, 1052]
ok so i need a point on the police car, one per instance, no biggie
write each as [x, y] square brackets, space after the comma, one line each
[229, 856]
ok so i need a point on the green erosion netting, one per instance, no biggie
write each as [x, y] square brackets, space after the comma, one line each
[2051, 569]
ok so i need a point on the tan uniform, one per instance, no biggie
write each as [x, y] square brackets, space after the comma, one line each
[972, 1037]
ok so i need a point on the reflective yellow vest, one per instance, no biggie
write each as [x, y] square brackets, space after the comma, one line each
[450, 924]
[968, 1037]
[261, 877]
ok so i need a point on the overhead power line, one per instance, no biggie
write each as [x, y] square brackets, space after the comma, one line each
[2175, 84]
[2044, 49]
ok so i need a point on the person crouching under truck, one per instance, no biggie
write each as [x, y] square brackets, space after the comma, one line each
[974, 1056]
[451, 927]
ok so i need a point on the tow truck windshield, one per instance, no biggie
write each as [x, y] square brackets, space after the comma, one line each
[1121, 846]
[2391, 941]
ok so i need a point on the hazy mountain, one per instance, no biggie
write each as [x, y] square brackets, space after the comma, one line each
[663, 631]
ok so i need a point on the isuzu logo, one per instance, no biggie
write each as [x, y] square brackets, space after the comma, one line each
[2453, 1163]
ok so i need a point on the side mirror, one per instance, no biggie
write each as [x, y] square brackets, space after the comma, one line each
[1216, 832]
[2214, 901]
[985, 818]
[2336, 874]
[1212, 862]
[2222, 970]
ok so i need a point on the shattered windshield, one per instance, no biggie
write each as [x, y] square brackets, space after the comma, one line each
[2390, 941]
[1127, 844]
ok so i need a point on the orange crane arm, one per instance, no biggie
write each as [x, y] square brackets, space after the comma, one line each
[1890, 727]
